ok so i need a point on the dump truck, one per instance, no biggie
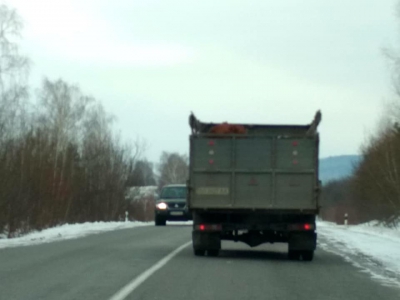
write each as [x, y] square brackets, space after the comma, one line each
[255, 184]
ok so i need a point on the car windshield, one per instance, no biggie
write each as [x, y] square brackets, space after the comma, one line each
[176, 192]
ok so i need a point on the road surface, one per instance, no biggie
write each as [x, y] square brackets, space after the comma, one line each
[100, 266]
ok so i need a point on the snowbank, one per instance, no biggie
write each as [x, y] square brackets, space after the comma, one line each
[67, 231]
[372, 247]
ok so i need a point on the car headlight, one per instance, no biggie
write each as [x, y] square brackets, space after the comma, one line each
[161, 205]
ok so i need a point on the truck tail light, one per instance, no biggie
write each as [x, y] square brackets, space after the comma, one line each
[302, 227]
[208, 227]
[308, 226]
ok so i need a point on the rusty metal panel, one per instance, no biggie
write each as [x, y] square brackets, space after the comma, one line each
[295, 191]
[253, 190]
[296, 154]
[253, 172]
[253, 153]
[211, 153]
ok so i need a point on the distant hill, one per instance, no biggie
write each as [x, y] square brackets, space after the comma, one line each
[337, 167]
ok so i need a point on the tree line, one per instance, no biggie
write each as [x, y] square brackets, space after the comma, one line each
[60, 160]
[373, 191]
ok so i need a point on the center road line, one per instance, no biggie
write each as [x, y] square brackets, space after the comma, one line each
[135, 283]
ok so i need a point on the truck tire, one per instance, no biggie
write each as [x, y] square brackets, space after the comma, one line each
[213, 252]
[294, 255]
[307, 255]
[199, 252]
[160, 221]
[206, 241]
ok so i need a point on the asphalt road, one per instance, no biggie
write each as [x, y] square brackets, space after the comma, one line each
[98, 266]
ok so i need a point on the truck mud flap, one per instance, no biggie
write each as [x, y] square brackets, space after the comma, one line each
[302, 241]
[206, 240]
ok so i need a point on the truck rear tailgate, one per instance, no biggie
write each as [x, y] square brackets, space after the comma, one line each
[253, 172]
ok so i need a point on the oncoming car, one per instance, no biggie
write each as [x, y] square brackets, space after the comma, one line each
[171, 206]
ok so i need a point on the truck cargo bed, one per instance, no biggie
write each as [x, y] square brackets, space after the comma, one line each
[254, 184]
[254, 172]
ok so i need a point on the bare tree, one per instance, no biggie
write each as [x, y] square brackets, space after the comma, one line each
[13, 122]
[61, 111]
[173, 168]
[14, 69]
[65, 164]
[64, 108]
[142, 174]
[375, 187]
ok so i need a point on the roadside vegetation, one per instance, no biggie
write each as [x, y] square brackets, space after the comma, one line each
[60, 159]
[373, 192]
[62, 162]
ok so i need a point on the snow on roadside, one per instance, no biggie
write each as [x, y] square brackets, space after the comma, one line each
[180, 223]
[374, 248]
[66, 232]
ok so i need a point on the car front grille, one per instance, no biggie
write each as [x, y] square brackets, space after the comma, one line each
[176, 205]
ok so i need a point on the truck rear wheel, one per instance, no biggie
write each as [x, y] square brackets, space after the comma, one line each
[213, 252]
[199, 252]
[307, 255]
[294, 255]
[206, 241]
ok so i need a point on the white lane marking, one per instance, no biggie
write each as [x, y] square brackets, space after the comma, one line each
[135, 283]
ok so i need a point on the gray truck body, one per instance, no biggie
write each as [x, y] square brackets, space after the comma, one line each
[263, 181]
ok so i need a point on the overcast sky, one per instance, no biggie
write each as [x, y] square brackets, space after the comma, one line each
[151, 62]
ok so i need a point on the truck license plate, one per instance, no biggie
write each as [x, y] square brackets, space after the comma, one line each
[217, 191]
[176, 213]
